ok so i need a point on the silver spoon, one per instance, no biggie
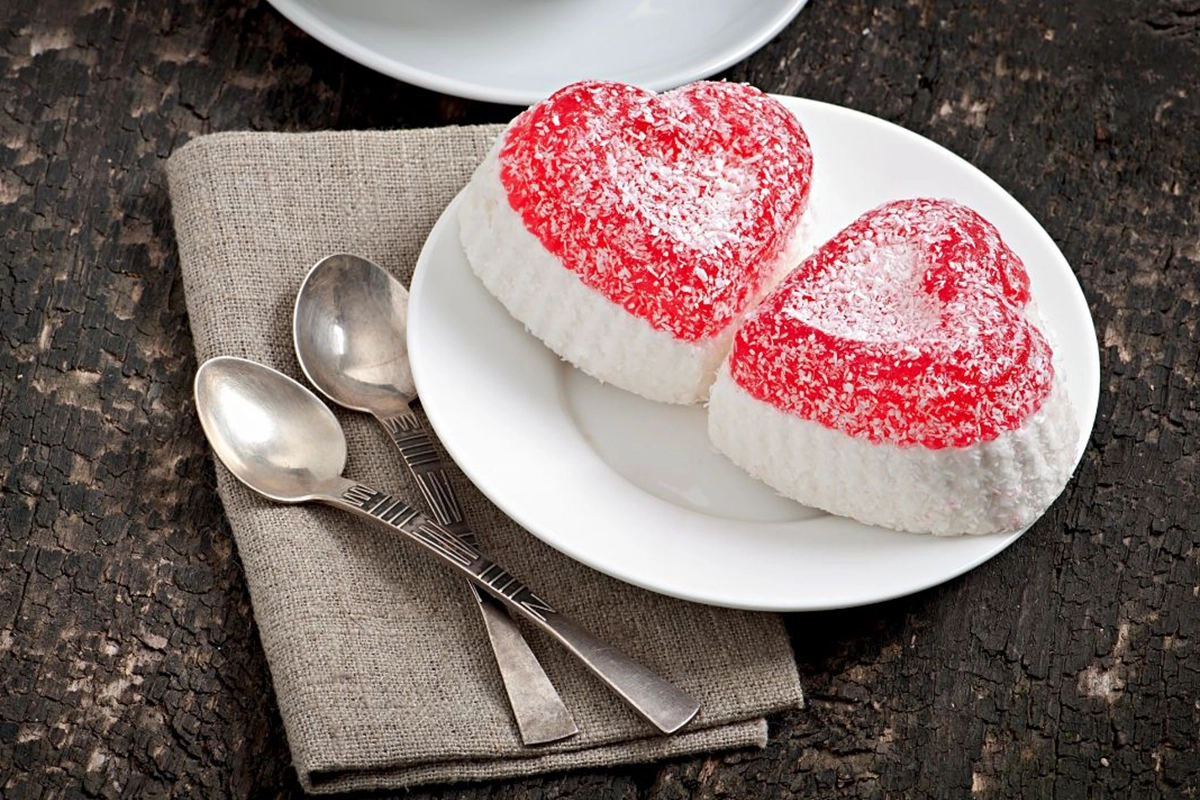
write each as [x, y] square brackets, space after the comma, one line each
[349, 332]
[279, 439]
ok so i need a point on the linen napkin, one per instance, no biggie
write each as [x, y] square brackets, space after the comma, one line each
[379, 661]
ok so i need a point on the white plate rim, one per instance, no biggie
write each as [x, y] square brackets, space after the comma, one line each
[987, 546]
[302, 17]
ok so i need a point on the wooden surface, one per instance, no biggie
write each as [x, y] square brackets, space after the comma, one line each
[1066, 667]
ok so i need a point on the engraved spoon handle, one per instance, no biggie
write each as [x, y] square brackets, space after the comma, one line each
[659, 702]
[540, 713]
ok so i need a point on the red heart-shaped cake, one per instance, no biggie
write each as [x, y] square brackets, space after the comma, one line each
[630, 231]
[900, 376]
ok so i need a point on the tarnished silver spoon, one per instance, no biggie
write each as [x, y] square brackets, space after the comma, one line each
[279, 439]
[349, 331]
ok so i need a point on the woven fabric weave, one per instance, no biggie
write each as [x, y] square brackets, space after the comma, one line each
[380, 664]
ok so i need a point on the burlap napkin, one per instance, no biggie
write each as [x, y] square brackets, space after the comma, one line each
[383, 674]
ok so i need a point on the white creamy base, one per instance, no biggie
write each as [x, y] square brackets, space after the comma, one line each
[989, 487]
[579, 323]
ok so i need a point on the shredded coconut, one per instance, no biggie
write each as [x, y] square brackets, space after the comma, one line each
[672, 206]
[907, 327]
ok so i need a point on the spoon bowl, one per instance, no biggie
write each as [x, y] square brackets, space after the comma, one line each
[349, 330]
[273, 434]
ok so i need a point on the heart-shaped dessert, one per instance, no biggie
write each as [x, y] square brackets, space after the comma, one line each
[900, 376]
[630, 231]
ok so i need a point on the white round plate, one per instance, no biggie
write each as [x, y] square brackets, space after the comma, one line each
[520, 51]
[632, 488]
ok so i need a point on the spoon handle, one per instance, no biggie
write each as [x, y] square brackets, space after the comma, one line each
[659, 702]
[540, 713]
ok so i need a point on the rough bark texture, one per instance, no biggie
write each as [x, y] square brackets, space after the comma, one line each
[1066, 667]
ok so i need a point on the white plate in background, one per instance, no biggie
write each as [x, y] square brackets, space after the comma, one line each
[520, 51]
[632, 488]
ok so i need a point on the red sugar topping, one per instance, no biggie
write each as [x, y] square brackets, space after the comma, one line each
[907, 327]
[673, 206]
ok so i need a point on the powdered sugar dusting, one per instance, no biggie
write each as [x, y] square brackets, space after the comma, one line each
[673, 206]
[907, 327]
[876, 294]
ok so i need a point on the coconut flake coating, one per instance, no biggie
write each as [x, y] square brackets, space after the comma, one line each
[575, 321]
[675, 207]
[909, 327]
[997, 486]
